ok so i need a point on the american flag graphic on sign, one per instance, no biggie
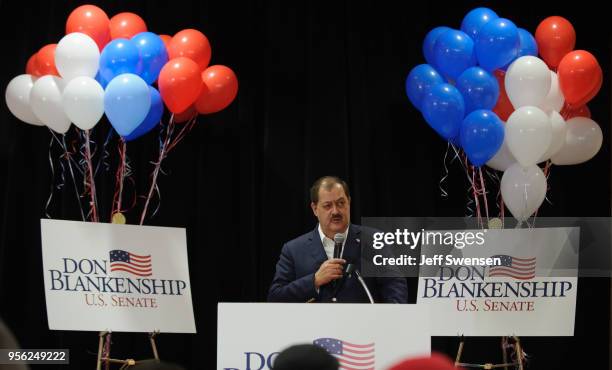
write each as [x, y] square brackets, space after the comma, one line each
[351, 356]
[516, 268]
[132, 263]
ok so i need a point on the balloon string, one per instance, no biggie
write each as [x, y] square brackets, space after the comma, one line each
[484, 194]
[52, 188]
[443, 192]
[105, 153]
[76, 189]
[184, 131]
[547, 169]
[500, 198]
[119, 178]
[158, 194]
[463, 161]
[90, 178]
[162, 154]
[67, 156]
[475, 192]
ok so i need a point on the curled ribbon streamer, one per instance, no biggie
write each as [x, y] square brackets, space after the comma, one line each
[105, 153]
[443, 192]
[498, 197]
[484, 193]
[52, 189]
[76, 189]
[470, 211]
[162, 154]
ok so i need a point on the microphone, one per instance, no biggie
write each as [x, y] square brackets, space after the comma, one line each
[349, 270]
[352, 269]
[338, 241]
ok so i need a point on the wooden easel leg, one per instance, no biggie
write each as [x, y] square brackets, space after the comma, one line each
[519, 353]
[459, 352]
[101, 335]
[107, 347]
[504, 344]
[153, 346]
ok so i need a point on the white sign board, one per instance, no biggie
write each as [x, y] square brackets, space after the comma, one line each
[531, 291]
[116, 277]
[370, 336]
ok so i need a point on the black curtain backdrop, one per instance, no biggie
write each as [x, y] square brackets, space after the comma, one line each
[321, 92]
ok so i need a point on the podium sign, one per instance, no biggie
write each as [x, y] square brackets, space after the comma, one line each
[360, 336]
[103, 277]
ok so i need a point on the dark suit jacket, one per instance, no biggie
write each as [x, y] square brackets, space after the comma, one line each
[301, 258]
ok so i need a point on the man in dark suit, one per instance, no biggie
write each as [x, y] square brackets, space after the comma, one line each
[307, 271]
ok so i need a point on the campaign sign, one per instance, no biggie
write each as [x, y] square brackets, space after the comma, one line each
[360, 336]
[517, 282]
[108, 277]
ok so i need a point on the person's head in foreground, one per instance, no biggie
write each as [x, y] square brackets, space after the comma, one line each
[434, 362]
[305, 357]
[8, 341]
[330, 201]
[154, 365]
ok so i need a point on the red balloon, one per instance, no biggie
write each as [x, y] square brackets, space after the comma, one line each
[92, 21]
[504, 107]
[220, 89]
[191, 44]
[555, 37]
[31, 67]
[166, 39]
[185, 116]
[180, 83]
[571, 112]
[437, 361]
[45, 60]
[580, 77]
[125, 25]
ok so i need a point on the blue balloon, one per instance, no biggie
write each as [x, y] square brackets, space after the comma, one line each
[153, 117]
[528, 46]
[527, 42]
[479, 88]
[454, 53]
[153, 55]
[482, 134]
[101, 80]
[443, 109]
[127, 101]
[475, 19]
[119, 56]
[430, 41]
[498, 44]
[420, 79]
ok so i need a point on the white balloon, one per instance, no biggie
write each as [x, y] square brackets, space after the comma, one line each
[46, 102]
[528, 134]
[77, 55]
[502, 159]
[554, 100]
[583, 140]
[527, 81]
[558, 127]
[523, 190]
[17, 97]
[83, 101]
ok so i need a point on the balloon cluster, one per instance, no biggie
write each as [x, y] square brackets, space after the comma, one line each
[111, 66]
[485, 89]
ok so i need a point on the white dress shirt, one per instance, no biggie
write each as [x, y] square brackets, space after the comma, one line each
[329, 244]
